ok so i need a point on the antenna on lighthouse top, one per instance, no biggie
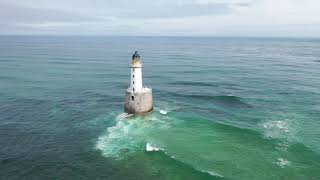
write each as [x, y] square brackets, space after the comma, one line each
[135, 55]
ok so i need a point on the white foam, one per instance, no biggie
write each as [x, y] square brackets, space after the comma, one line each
[122, 116]
[130, 135]
[114, 140]
[281, 125]
[149, 148]
[282, 162]
[163, 112]
[212, 173]
[283, 146]
[278, 129]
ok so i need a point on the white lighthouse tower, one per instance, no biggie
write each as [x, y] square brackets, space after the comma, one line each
[138, 98]
[136, 73]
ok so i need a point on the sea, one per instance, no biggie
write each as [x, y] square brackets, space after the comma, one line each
[230, 108]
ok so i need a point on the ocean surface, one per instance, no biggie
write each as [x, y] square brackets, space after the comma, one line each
[224, 108]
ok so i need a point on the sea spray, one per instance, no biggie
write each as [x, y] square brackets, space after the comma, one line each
[150, 147]
[129, 134]
[163, 112]
[282, 162]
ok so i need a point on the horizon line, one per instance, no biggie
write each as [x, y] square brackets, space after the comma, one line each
[176, 36]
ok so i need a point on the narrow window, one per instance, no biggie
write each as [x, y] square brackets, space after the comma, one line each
[132, 76]
[132, 82]
[132, 98]
[133, 70]
[133, 89]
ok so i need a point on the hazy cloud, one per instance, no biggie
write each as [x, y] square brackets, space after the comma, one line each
[161, 17]
[17, 13]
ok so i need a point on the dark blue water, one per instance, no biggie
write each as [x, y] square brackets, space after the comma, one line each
[225, 108]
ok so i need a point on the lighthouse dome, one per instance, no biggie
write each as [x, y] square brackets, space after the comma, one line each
[135, 55]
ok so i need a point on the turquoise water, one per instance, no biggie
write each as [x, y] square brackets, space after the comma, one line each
[225, 108]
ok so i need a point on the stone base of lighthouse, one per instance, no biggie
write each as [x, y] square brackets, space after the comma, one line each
[138, 102]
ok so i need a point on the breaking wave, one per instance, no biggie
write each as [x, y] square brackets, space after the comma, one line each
[129, 134]
[279, 129]
[282, 162]
[150, 147]
[213, 173]
[163, 112]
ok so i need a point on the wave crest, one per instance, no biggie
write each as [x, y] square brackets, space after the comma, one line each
[150, 148]
[282, 162]
[129, 135]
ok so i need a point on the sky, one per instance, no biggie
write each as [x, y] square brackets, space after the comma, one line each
[256, 18]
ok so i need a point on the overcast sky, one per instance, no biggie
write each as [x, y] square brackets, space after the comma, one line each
[294, 18]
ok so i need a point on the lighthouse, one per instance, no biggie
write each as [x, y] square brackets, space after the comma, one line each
[138, 98]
